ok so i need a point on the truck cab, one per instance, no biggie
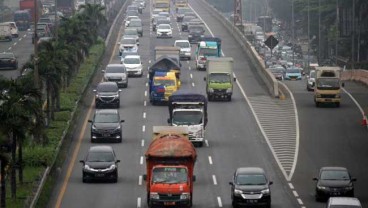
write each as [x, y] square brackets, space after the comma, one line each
[162, 86]
[207, 47]
[327, 88]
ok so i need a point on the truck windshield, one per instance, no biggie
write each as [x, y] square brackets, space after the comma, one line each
[208, 51]
[164, 82]
[169, 175]
[328, 84]
[219, 78]
[187, 117]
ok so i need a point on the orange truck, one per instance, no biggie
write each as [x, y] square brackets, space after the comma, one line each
[170, 160]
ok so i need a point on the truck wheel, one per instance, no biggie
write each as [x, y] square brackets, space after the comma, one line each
[317, 104]
[200, 144]
[229, 98]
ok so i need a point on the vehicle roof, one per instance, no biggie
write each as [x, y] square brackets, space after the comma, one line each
[181, 41]
[106, 111]
[132, 56]
[164, 25]
[344, 201]
[100, 148]
[334, 168]
[107, 83]
[250, 170]
[114, 65]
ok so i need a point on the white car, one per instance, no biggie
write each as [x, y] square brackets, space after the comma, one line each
[128, 44]
[128, 18]
[133, 65]
[116, 73]
[131, 33]
[13, 29]
[164, 31]
[185, 48]
[155, 13]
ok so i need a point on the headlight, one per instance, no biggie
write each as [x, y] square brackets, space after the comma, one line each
[349, 188]
[237, 191]
[210, 90]
[87, 167]
[118, 128]
[112, 167]
[229, 90]
[116, 95]
[94, 127]
[154, 195]
[265, 191]
[189, 36]
[184, 196]
[321, 187]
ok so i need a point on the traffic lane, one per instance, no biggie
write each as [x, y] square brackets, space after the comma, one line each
[22, 49]
[329, 137]
[360, 93]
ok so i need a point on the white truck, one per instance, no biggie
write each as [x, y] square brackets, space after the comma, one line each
[189, 109]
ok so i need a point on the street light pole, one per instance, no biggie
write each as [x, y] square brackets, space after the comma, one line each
[308, 62]
[337, 31]
[293, 30]
[35, 40]
[319, 32]
[353, 37]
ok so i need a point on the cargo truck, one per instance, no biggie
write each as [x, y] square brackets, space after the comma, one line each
[162, 85]
[170, 160]
[163, 5]
[220, 78]
[327, 88]
[189, 109]
[207, 47]
[168, 51]
[29, 4]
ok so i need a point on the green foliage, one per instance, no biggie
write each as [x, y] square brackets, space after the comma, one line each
[38, 155]
[67, 101]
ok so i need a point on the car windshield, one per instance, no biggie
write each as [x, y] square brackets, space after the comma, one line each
[130, 32]
[250, 180]
[208, 51]
[135, 24]
[328, 83]
[128, 41]
[115, 69]
[6, 55]
[183, 10]
[219, 78]
[169, 175]
[163, 21]
[132, 61]
[165, 27]
[100, 157]
[277, 70]
[335, 175]
[293, 71]
[313, 74]
[131, 13]
[182, 44]
[106, 118]
[164, 82]
[196, 29]
[107, 88]
[187, 117]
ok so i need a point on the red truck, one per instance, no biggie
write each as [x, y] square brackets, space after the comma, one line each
[170, 160]
[29, 4]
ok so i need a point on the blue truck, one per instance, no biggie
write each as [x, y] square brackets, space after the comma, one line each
[207, 47]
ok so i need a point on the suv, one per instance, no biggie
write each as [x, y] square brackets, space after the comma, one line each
[100, 163]
[116, 73]
[107, 94]
[311, 80]
[5, 32]
[127, 44]
[185, 48]
[131, 33]
[106, 126]
[133, 65]
[250, 186]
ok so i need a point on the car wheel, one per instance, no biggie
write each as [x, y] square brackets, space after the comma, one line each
[200, 144]
[229, 98]
[337, 105]
[317, 104]
[115, 179]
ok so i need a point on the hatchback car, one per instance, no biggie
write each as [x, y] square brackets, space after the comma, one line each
[334, 181]
[164, 31]
[250, 186]
[107, 94]
[293, 73]
[343, 202]
[8, 61]
[185, 49]
[100, 163]
[131, 33]
[133, 65]
[116, 73]
[106, 126]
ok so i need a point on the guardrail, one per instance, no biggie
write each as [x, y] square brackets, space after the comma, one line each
[358, 75]
[254, 58]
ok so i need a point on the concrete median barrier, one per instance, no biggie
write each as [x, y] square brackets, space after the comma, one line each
[358, 75]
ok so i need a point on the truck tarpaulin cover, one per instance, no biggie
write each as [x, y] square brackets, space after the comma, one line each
[187, 96]
[171, 145]
[164, 64]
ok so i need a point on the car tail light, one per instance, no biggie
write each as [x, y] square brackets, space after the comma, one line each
[203, 59]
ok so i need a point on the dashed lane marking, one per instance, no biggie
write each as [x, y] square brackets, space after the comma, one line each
[145, 93]
[214, 180]
[142, 143]
[143, 128]
[206, 142]
[291, 186]
[299, 201]
[9, 48]
[210, 160]
[139, 202]
[144, 114]
[15, 44]
[145, 103]
[295, 194]
[193, 85]
[191, 76]
[20, 39]
[141, 160]
[140, 179]
[219, 201]
[190, 68]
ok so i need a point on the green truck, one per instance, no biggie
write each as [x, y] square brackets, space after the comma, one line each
[220, 78]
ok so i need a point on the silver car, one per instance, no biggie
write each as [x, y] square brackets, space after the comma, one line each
[136, 24]
[116, 73]
[131, 33]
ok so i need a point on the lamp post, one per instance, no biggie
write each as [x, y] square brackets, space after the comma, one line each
[36, 77]
[337, 31]
[319, 32]
[293, 30]
[308, 62]
[353, 37]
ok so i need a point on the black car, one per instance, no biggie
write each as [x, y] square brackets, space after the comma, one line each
[8, 61]
[106, 126]
[334, 181]
[100, 164]
[196, 32]
[250, 186]
[107, 95]
[185, 22]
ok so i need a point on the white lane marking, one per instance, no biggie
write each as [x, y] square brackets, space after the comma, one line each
[9, 48]
[142, 143]
[15, 44]
[140, 180]
[210, 160]
[145, 103]
[355, 101]
[145, 93]
[291, 186]
[147, 76]
[207, 144]
[146, 84]
[20, 39]
[190, 68]
[24, 35]
[139, 202]
[191, 76]
[143, 128]
[214, 180]
[288, 177]
[300, 201]
[141, 160]
[219, 201]
[149, 61]
[187, 62]
[193, 84]
[295, 194]
[144, 114]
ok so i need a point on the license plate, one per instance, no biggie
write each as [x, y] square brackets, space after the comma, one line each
[106, 135]
[336, 193]
[252, 201]
[169, 203]
[293, 79]
[99, 175]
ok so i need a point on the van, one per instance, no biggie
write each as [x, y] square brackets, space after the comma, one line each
[345, 202]
[5, 32]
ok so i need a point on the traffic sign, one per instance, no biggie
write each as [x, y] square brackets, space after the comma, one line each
[271, 42]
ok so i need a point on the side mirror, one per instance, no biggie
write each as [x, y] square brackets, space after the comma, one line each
[204, 78]
[89, 121]
[234, 79]
[120, 90]
[231, 183]
[117, 161]
[353, 179]
[82, 161]
[168, 120]
[315, 179]
[145, 177]
[343, 84]
[194, 178]
[122, 121]
[270, 183]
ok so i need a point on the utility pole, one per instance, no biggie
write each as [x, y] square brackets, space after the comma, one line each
[319, 32]
[56, 21]
[35, 59]
[337, 31]
[308, 62]
[293, 30]
[353, 37]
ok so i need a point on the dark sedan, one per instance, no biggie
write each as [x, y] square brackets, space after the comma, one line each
[250, 186]
[100, 164]
[8, 61]
[106, 126]
[107, 95]
[334, 181]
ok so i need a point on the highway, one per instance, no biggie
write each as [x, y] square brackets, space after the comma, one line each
[251, 130]
[22, 48]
